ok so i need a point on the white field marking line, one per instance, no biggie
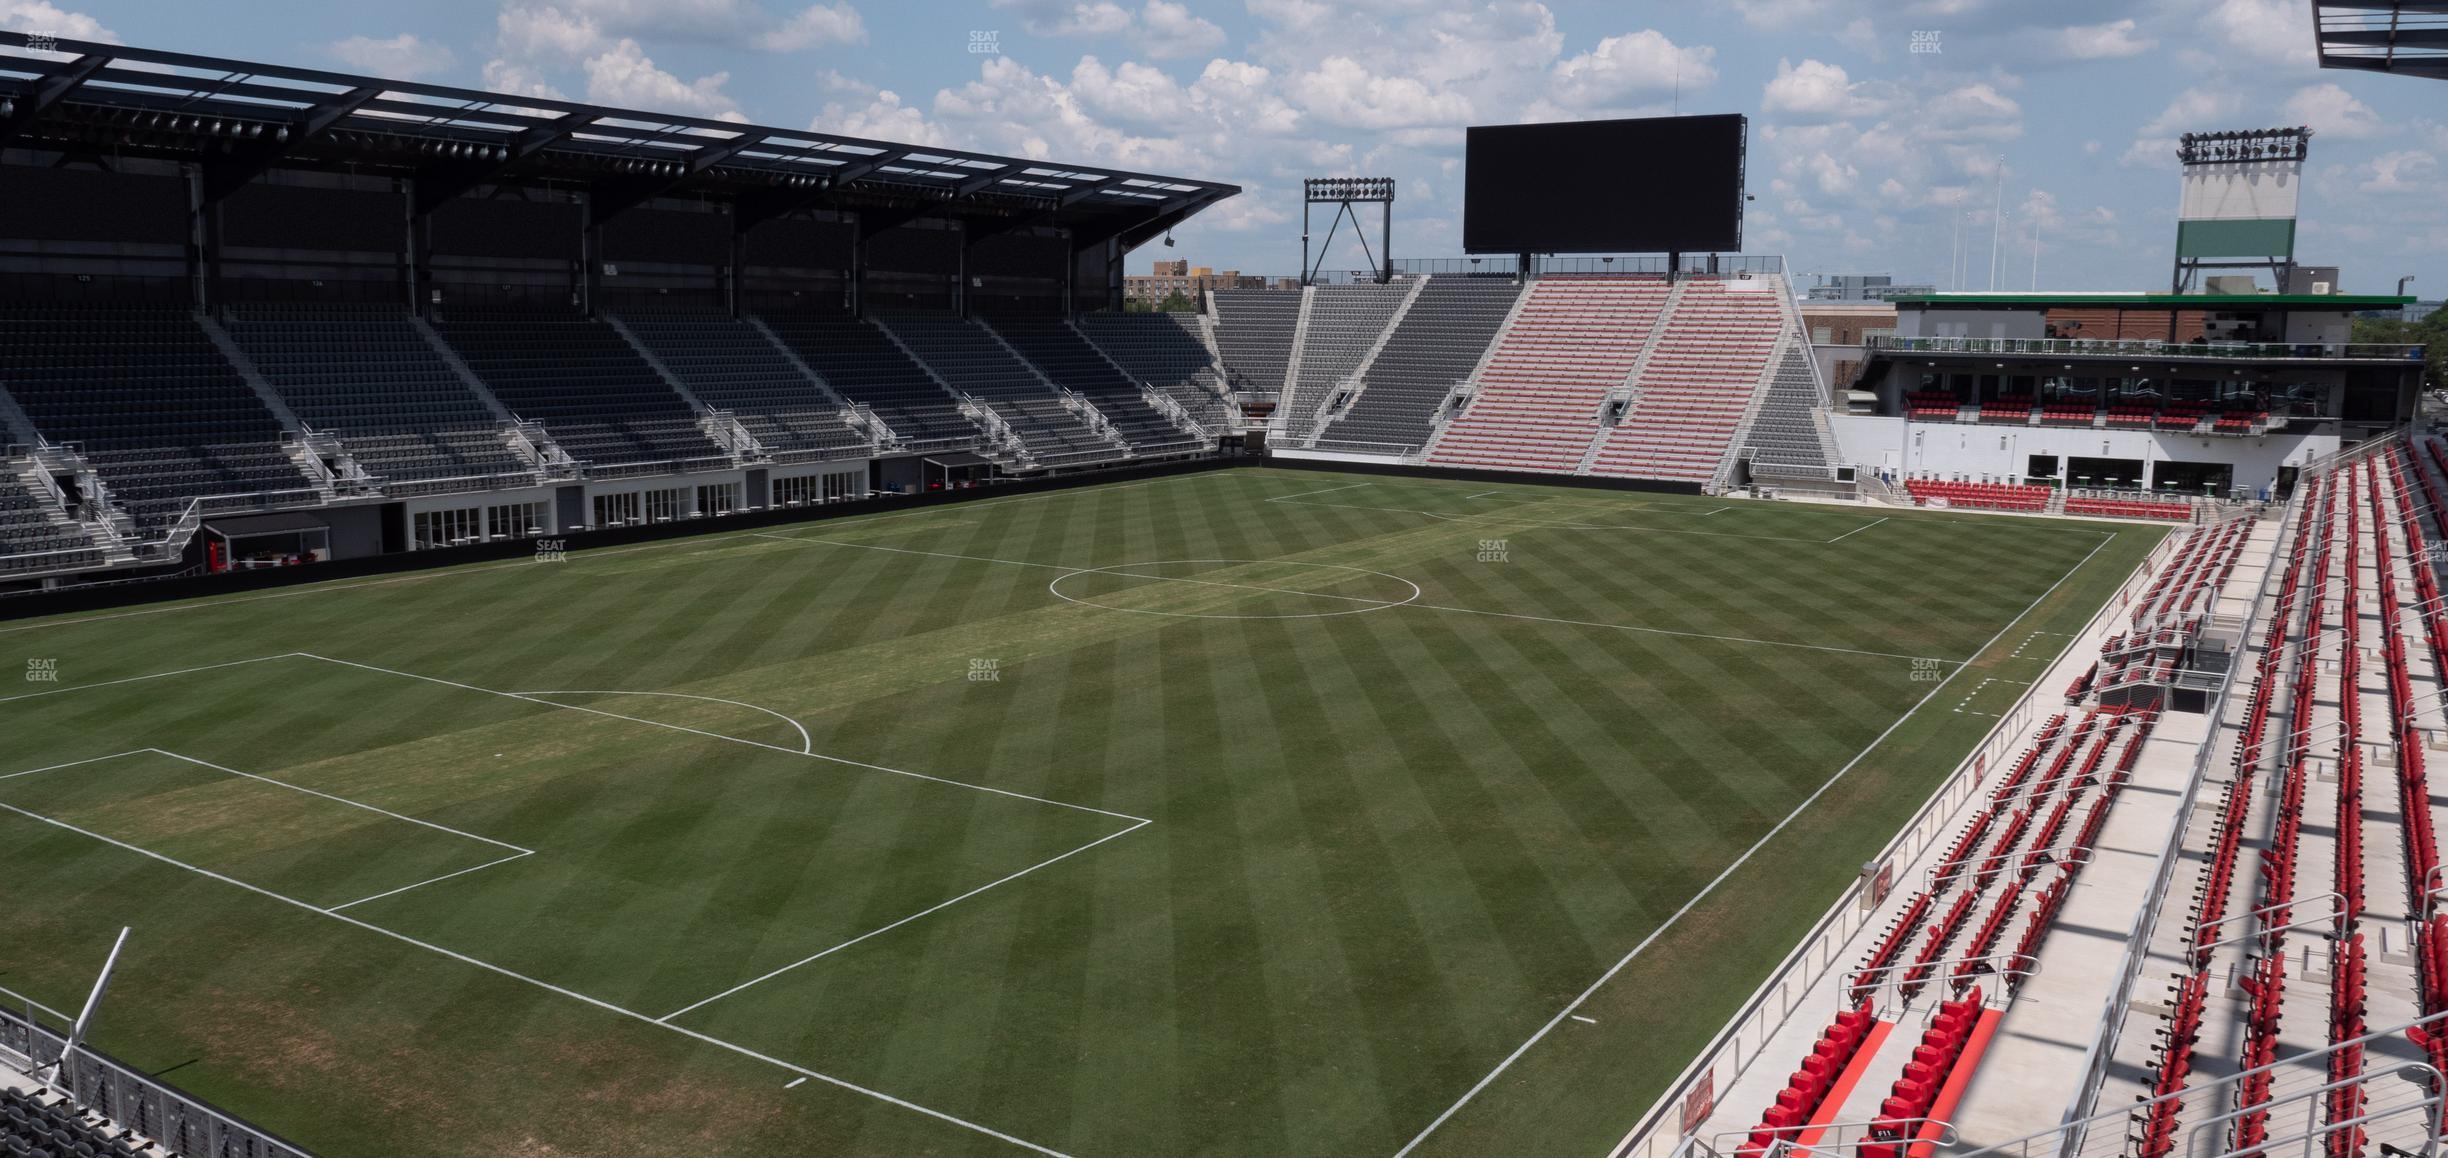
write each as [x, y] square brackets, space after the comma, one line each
[813, 957]
[74, 763]
[794, 1082]
[321, 588]
[807, 744]
[711, 539]
[1687, 634]
[1585, 1020]
[340, 799]
[1413, 602]
[515, 854]
[1326, 491]
[1677, 916]
[1127, 574]
[430, 880]
[136, 679]
[1054, 588]
[842, 760]
[1565, 526]
[572, 994]
[1855, 531]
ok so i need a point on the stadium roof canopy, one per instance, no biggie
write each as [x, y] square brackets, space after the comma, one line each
[2402, 36]
[239, 119]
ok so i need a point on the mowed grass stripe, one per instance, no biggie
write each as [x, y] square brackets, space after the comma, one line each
[1383, 846]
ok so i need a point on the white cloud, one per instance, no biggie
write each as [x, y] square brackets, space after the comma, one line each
[1641, 64]
[2193, 110]
[1975, 111]
[882, 117]
[2331, 111]
[2114, 40]
[1341, 91]
[816, 24]
[544, 34]
[1069, 17]
[625, 76]
[1168, 30]
[404, 56]
[518, 79]
[1131, 92]
[37, 16]
[1815, 91]
[2402, 171]
[2272, 31]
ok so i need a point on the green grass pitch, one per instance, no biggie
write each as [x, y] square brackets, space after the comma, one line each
[1252, 812]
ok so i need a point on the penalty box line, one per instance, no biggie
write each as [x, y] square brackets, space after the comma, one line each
[664, 1021]
[516, 851]
[514, 975]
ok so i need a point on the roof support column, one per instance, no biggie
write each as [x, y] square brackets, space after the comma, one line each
[589, 283]
[854, 280]
[960, 271]
[203, 244]
[416, 258]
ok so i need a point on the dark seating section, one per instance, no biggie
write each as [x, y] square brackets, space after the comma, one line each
[863, 365]
[965, 354]
[33, 537]
[36, 1126]
[1068, 359]
[367, 375]
[595, 396]
[728, 365]
[160, 413]
[1432, 350]
[1163, 350]
[1254, 334]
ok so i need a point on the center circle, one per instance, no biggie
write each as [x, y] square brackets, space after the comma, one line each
[1147, 571]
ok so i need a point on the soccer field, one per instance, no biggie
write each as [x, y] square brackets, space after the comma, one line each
[1251, 812]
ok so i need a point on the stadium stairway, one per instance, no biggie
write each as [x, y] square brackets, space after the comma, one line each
[1699, 385]
[1343, 328]
[867, 368]
[599, 400]
[1053, 427]
[38, 533]
[1955, 971]
[1167, 352]
[1063, 356]
[1535, 401]
[154, 408]
[1254, 331]
[2314, 932]
[1440, 338]
[366, 375]
[732, 368]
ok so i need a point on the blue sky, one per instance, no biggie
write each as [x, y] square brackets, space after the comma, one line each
[1864, 151]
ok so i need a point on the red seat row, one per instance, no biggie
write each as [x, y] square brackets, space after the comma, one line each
[1808, 1087]
[1992, 496]
[1909, 1101]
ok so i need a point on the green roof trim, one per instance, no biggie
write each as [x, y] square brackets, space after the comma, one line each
[2157, 301]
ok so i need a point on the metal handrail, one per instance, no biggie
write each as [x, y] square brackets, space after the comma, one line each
[1846, 917]
[2071, 1132]
[2144, 347]
[2101, 1053]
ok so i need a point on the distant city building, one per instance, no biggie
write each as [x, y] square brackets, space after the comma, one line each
[1191, 281]
[1856, 287]
[1840, 331]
